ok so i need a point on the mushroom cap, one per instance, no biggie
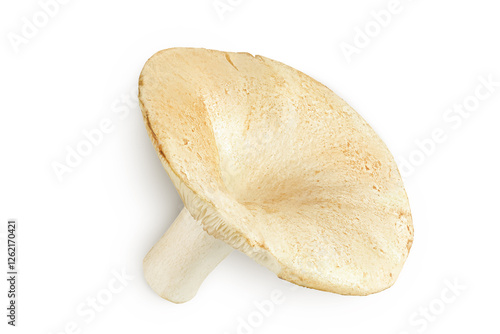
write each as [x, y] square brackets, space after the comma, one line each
[279, 167]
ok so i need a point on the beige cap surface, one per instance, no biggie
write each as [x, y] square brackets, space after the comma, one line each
[276, 165]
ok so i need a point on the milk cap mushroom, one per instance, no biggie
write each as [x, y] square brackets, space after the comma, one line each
[270, 162]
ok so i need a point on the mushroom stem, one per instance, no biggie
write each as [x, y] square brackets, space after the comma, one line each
[177, 264]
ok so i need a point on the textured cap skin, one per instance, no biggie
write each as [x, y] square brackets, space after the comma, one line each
[279, 167]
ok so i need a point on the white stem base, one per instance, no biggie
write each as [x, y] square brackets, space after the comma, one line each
[177, 265]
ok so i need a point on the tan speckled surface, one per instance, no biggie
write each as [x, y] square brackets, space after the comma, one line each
[278, 166]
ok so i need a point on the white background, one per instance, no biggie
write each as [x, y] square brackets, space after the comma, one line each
[83, 63]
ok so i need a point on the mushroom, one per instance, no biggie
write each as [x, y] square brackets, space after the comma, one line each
[272, 163]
